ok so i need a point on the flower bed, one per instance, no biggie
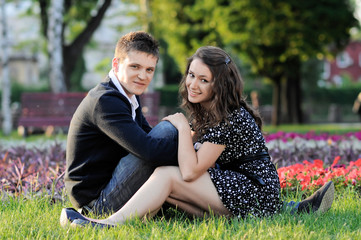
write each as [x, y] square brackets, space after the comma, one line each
[291, 148]
[313, 175]
[32, 170]
[303, 160]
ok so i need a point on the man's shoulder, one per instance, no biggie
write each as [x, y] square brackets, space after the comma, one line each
[105, 93]
[105, 88]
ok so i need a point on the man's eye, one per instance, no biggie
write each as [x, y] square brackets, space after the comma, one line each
[150, 70]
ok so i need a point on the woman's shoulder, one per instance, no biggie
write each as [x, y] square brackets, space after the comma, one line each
[239, 113]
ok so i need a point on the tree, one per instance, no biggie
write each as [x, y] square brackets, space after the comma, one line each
[55, 46]
[78, 25]
[6, 84]
[278, 36]
[185, 25]
[274, 36]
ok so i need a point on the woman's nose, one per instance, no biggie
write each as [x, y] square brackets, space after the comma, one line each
[193, 83]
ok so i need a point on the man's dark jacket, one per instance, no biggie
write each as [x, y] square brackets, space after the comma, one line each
[101, 132]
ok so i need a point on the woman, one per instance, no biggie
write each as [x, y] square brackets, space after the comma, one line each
[224, 166]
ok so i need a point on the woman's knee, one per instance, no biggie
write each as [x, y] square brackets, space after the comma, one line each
[167, 172]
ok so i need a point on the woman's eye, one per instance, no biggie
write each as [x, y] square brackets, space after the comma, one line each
[191, 74]
[204, 80]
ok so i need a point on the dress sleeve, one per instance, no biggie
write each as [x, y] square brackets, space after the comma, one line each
[219, 134]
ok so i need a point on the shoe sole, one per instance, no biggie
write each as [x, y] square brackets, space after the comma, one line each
[64, 222]
[75, 224]
[327, 199]
[80, 223]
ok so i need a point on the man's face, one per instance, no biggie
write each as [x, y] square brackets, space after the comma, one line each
[135, 72]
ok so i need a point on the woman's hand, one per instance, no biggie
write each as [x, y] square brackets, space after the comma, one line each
[178, 120]
[193, 164]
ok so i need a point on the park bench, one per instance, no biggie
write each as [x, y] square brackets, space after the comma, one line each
[150, 107]
[45, 111]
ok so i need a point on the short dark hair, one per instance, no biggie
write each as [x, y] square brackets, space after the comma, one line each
[136, 41]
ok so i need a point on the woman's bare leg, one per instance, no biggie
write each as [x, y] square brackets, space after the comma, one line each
[167, 182]
[187, 207]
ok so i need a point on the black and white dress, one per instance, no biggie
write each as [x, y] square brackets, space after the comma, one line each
[241, 195]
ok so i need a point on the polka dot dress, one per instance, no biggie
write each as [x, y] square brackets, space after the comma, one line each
[240, 194]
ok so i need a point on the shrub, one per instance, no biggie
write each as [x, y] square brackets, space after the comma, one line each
[34, 170]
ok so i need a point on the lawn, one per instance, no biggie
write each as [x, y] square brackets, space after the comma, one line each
[331, 128]
[38, 218]
[32, 194]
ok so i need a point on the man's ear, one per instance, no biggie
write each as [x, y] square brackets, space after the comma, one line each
[115, 64]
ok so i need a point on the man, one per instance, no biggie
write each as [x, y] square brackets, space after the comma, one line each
[111, 150]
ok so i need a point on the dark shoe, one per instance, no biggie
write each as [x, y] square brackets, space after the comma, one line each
[320, 201]
[68, 215]
[84, 222]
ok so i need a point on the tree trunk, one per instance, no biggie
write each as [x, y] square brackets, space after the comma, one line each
[6, 84]
[55, 44]
[284, 114]
[276, 102]
[294, 93]
[72, 52]
[287, 95]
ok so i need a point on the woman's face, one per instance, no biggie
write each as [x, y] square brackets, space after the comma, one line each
[199, 83]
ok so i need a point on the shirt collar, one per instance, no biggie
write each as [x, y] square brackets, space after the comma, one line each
[133, 100]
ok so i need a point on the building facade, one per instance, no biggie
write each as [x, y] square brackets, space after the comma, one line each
[346, 64]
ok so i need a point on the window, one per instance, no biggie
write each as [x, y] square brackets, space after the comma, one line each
[337, 80]
[343, 60]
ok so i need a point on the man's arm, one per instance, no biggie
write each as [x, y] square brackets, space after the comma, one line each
[113, 117]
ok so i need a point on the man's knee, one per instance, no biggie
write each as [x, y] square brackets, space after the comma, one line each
[166, 124]
[164, 129]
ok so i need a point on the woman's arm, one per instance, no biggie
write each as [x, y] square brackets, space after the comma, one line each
[193, 164]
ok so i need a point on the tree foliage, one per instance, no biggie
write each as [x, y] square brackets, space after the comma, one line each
[274, 36]
[278, 36]
[185, 25]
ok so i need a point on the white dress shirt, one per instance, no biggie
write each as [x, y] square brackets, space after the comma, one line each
[133, 100]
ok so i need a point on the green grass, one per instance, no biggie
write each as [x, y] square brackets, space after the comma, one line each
[38, 219]
[317, 128]
[34, 137]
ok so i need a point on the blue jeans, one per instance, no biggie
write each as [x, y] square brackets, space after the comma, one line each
[129, 175]
[291, 206]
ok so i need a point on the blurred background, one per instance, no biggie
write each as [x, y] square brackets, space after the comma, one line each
[300, 60]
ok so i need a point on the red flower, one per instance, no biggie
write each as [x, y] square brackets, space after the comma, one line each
[309, 175]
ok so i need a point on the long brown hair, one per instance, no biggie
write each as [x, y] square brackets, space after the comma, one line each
[227, 87]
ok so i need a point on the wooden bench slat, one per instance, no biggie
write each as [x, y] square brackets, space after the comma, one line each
[48, 109]
[56, 109]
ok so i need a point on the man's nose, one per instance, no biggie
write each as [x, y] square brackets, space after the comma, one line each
[142, 74]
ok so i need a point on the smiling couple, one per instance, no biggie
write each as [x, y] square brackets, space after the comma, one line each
[214, 161]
